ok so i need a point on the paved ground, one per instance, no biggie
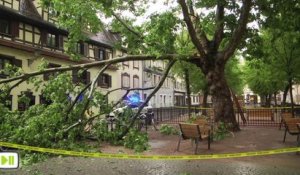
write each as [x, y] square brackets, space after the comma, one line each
[250, 139]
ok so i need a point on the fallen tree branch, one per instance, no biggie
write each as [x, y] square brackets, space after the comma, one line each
[92, 87]
[171, 63]
[90, 65]
[98, 115]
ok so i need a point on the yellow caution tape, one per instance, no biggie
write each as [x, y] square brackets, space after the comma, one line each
[245, 108]
[153, 157]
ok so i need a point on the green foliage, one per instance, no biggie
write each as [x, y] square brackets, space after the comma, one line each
[234, 76]
[136, 140]
[29, 158]
[168, 130]
[194, 117]
[221, 131]
[161, 29]
[273, 62]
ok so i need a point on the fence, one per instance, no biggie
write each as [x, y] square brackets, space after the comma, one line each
[253, 116]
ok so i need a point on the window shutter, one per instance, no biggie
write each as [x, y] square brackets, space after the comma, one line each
[57, 41]
[18, 63]
[106, 55]
[61, 42]
[96, 53]
[99, 80]
[86, 49]
[109, 80]
[43, 37]
[75, 76]
[14, 29]
[88, 77]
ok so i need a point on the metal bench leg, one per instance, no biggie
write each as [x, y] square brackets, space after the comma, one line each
[196, 149]
[284, 135]
[208, 140]
[178, 143]
[281, 122]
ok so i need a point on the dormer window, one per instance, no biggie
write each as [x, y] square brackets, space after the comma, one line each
[5, 27]
[100, 54]
[9, 28]
[82, 48]
[52, 40]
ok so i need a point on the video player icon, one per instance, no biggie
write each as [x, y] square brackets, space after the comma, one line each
[9, 160]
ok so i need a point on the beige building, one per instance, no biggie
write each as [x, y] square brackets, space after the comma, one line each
[28, 34]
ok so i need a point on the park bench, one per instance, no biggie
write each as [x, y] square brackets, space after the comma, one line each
[284, 116]
[205, 126]
[260, 114]
[291, 127]
[194, 132]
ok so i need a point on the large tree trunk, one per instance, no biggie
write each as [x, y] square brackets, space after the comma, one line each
[188, 91]
[268, 100]
[284, 95]
[275, 99]
[221, 96]
[291, 95]
[204, 102]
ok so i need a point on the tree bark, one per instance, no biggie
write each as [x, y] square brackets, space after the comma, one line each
[268, 100]
[275, 99]
[221, 96]
[188, 90]
[291, 95]
[285, 94]
[204, 102]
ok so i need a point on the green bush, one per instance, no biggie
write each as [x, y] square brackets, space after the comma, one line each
[136, 140]
[168, 130]
[221, 132]
[133, 140]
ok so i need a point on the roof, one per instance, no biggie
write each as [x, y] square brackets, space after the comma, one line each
[106, 37]
[29, 14]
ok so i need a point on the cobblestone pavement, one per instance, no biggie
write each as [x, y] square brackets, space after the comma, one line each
[286, 164]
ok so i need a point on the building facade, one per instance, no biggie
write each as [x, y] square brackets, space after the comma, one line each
[28, 36]
[172, 93]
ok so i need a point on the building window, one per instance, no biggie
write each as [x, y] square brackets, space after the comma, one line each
[52, 74]
[125, 78]
[26, 99]
[81, 77]
[51, 40]
[83, 49]
[5, 27]
[154, 79]
[100, 54]
[44, 100]
[104, 81]
[9, 28]
[136, 64]
[136, 81]
[5, 60]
